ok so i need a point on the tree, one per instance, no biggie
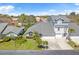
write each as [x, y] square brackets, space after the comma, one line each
[72, 14]
[71, 30]
[22, 18]
[39, 41]
[37, 38]
[20, 40]
[32, 19]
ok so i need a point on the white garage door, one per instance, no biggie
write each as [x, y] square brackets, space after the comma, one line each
[58, 36]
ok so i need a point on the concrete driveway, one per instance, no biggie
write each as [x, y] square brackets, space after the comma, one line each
[58, 44]
[63, 44]
[53, 45]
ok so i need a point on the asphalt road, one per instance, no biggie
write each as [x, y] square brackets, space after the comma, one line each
[36, 52]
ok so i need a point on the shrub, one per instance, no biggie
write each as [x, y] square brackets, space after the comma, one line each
[1, 41]
[39, 41]
[19, 40]
[6, 39]
[45, 44]
[72, 43]
[71, 30]
[41, 46]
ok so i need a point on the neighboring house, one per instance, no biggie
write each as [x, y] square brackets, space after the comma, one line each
[3, 27]
[10, 30]
[14, 20]
[5, 19]
[55, 27]
[40, 19]
[13, 31]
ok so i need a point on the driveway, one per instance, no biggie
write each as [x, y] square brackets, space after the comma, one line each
[53, 45]
[63, 44]
[58, 43]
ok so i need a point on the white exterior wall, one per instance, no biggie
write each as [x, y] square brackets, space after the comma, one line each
[60, 31]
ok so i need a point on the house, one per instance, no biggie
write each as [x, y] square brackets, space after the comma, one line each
[2, 27]
[13, 31]
[10, 30]
[39, 19]
[57, 26]
[14, 20]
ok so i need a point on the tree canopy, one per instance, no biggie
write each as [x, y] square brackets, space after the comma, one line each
[72, 13]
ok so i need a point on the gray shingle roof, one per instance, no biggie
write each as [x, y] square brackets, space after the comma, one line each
[47, 28]
[2, 26]
[13, 29]
[44, 28]
[57, 17]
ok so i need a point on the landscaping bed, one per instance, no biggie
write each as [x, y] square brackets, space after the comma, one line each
[12, 45]
[73, 45]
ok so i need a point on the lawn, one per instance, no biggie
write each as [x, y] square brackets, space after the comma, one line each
[11, 45]
[7, 45]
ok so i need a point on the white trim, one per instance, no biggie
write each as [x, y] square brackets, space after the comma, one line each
[47, 37]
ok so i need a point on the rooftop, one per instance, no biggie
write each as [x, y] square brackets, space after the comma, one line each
[44, 28]
[47, 28]
[2, 27]
[12, 29]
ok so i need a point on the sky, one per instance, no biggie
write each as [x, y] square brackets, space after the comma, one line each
[38, 8]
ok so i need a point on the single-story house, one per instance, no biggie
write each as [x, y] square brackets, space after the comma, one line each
[54, 27]
[2, 27]
[13, 31]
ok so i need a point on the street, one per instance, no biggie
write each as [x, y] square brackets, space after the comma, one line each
[38, 52]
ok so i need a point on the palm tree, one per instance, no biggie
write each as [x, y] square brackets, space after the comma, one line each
[37, 38]
[22, 18]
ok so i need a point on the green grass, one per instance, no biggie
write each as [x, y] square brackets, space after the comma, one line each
[11, 45]
[29, 45]
[7, 45]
